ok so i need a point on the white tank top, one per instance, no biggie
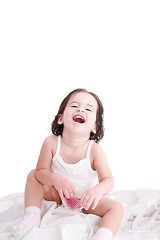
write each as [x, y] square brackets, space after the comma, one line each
[80, 174]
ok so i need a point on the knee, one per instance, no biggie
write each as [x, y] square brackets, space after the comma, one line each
[31, 175]
[119, 208]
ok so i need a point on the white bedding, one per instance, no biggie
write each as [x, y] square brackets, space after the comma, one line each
[141, 220]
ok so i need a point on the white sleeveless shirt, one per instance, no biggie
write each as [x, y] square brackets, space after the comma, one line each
[80, 174]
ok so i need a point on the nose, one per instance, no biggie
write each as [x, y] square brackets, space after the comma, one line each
[80, 109]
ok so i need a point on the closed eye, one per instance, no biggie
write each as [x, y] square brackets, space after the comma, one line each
[88, 109]
[74, 106]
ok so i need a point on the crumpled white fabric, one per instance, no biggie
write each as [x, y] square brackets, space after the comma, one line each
[142, 214]
[58, 222]
[141, 220]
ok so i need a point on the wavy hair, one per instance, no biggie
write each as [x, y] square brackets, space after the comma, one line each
[58, 129]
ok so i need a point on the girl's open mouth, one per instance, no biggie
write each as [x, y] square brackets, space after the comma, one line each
[79, 119]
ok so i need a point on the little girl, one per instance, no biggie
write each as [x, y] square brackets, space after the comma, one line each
[72, 168]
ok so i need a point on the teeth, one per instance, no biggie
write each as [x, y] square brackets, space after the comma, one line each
[79, 119]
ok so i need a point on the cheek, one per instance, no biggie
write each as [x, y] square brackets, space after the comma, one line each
[67, 115]
[92, 120]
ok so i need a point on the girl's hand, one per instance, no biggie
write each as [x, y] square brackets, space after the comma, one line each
[64, 187]
[91, 197]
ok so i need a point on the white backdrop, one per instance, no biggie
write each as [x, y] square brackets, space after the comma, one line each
[49, 48]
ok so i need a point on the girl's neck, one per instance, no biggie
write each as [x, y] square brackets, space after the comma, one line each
[74, 140]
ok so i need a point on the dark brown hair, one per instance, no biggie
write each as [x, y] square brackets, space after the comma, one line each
[58, 129]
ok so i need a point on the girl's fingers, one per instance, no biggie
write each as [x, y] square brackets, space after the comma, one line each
[66, 193]
[89, 202]
[86, 200]
[69, 191]
[73, 190]
[95, 203]
[61, 194]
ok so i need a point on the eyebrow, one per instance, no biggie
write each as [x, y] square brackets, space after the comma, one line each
[86, 104]
[73, 102]
[91, 106]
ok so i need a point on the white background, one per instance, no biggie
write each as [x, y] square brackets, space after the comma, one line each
[49, 48]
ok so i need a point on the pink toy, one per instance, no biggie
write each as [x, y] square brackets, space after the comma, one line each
[73, 203]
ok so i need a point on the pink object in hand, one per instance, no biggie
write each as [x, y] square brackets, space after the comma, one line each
[73, 203]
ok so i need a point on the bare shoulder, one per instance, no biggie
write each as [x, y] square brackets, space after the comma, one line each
[51, 139]
[100, 163]
[47, 152]
[51, 143]
[97, 150]
[97, 156]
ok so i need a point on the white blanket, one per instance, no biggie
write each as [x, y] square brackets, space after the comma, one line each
[141, 220]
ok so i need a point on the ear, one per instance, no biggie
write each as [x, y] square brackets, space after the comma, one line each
[94, 130]
[60, 119]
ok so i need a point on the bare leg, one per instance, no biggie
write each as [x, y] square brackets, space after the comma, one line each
[34, 191]
[34, 194]
[111, 212]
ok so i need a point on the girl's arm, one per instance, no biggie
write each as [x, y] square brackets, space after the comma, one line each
[43, 173]
[43, 170]
[100, 164]
[106, 182]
